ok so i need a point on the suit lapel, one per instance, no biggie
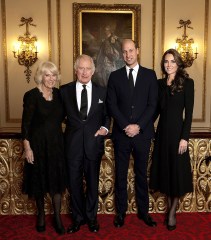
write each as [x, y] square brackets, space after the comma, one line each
[95, 99]
[73, 99]
[126, 80]
[138, 79]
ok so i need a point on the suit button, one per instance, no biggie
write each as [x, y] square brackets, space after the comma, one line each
[132, 106]
[131, 117]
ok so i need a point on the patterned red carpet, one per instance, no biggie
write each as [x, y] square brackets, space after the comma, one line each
[190, 226]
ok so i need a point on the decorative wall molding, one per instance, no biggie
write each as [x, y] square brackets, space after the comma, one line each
[8, 117]
[206, 19]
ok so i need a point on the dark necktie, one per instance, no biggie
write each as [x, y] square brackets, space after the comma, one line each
[131, 82]
[84, 103]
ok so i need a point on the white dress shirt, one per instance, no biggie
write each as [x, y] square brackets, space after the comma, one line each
[134, 72]
[79, 88]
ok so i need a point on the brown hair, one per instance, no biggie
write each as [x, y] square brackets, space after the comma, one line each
[181, 74]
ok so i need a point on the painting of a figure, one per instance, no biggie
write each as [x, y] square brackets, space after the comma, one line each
[102, 34]
[98, 30]
[109, 57]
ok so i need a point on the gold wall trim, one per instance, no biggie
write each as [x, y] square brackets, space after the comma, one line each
[202, 119]
[4, 48]
[49, 30]
[5, 60]
[162, 28]
[163, 23]
[206, 27]
[153, 32]
[58, 10]
[13, 202]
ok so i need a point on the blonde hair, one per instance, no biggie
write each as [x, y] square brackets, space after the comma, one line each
[43, 68]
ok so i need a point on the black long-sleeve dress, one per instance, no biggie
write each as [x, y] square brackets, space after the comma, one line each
[41, 126]
[171, 172]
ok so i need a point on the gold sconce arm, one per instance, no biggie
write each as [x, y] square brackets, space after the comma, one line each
[26, 52]
[185, 45]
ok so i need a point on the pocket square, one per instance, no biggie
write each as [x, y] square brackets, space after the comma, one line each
[100, 101]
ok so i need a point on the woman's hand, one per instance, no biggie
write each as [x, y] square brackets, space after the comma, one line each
[29, 155]
[183, 145]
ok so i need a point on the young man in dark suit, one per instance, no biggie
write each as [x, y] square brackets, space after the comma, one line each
[86, 125]
[132, 99]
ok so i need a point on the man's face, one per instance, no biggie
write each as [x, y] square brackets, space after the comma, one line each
[84, 70]
[130, 53]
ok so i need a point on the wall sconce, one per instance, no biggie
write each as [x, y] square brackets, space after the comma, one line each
[185, 45]
[25, 49]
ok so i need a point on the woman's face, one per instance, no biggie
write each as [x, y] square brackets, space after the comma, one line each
[170, 65]
[49, 79]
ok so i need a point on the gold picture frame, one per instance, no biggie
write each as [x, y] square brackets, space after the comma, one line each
[98, 30]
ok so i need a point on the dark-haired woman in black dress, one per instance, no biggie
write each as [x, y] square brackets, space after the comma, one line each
[171, 169]
[44, 170]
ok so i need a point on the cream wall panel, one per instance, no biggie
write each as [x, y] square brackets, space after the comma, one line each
[13, 81]
[16, 76]
[54, 20]
[54, 32]
[198, 14]
[158, 38]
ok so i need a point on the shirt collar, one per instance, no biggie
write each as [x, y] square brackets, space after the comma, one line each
[79, 84]
[134, 68]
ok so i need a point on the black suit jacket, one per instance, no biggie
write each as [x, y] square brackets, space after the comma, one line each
[79, 134]
[138, 108]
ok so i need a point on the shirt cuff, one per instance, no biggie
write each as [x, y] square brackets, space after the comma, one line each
[105, 129]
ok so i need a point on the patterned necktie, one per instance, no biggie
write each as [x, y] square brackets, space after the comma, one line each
[84, 103]
[131, 82]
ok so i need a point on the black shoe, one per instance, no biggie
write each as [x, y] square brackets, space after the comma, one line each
[59, 228]
[75, 227]
[40, 228]
[40, 225]
[93, 226]
[147, 220]
[119, 220]
[171, 227]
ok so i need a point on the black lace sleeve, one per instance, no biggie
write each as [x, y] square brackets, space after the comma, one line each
[29, 106]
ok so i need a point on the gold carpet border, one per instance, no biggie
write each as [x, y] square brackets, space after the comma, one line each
[12, 201]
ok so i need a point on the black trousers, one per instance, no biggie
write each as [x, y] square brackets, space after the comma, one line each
[84, 199]
[139, 148]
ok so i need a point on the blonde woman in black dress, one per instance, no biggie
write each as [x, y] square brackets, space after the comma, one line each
[44, 170]
[171, 169]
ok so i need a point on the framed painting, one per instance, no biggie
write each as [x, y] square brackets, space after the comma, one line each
[98, 30]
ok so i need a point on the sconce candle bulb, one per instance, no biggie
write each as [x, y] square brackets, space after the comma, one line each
[185, 45]
[26, 49]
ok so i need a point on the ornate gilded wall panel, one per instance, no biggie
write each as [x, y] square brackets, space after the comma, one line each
[12, 201]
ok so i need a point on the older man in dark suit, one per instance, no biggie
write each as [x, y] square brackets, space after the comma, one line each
[86, 125]
[132, 99]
